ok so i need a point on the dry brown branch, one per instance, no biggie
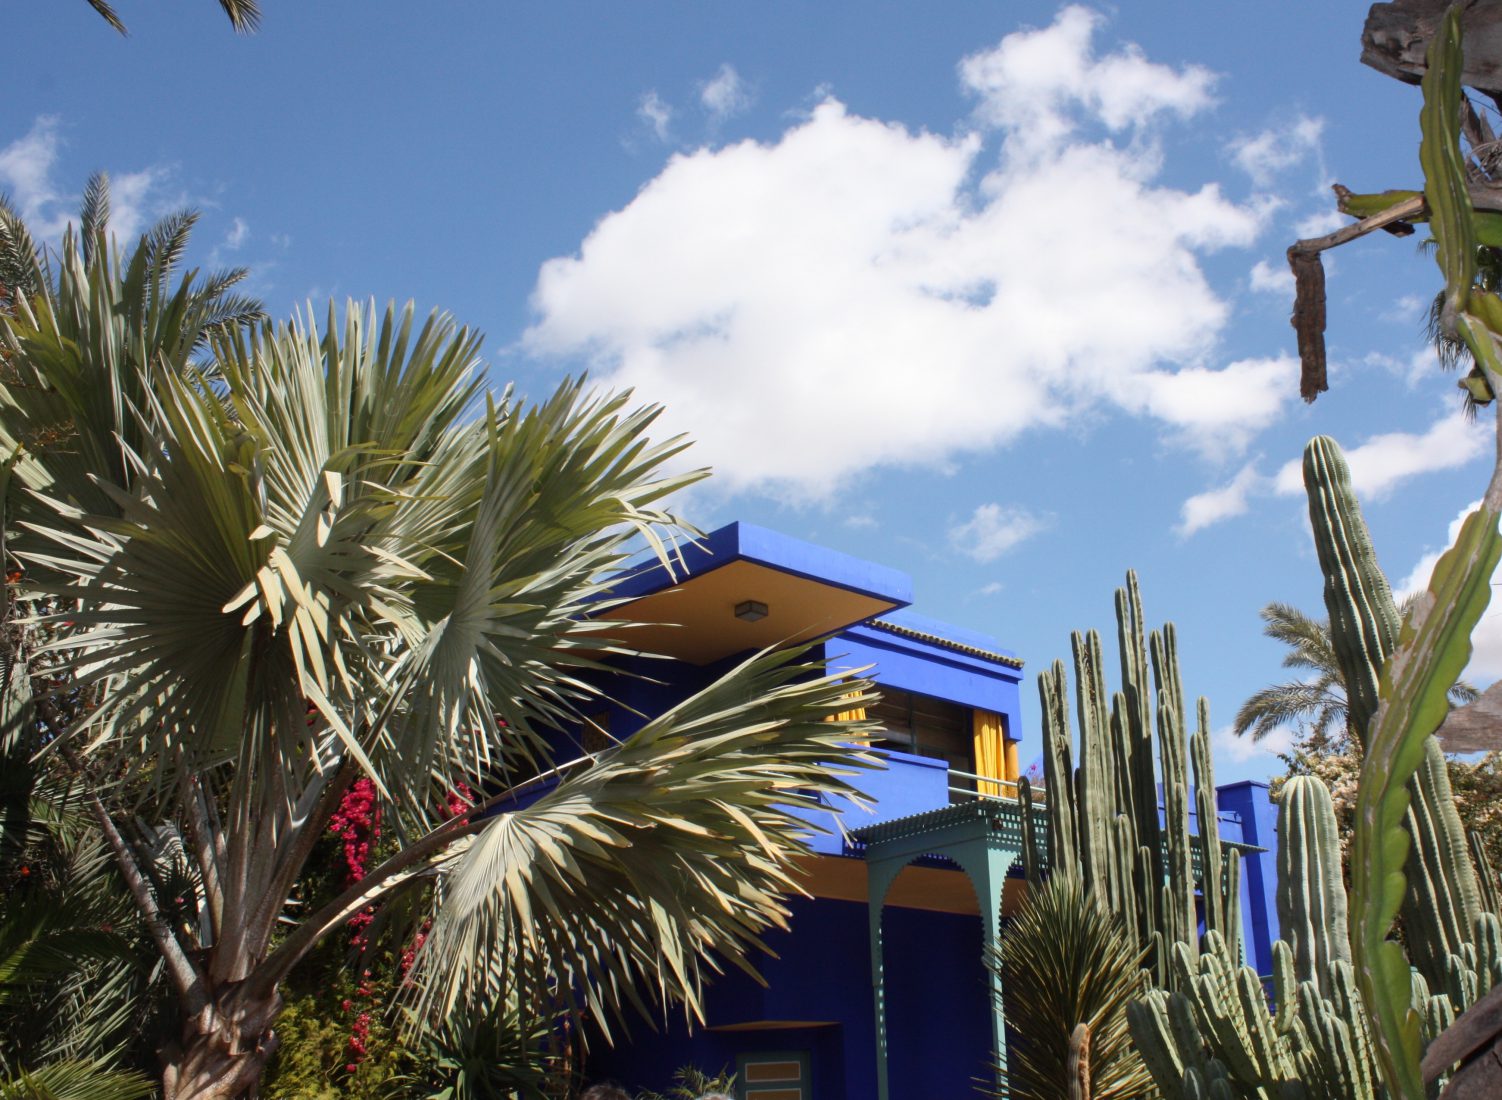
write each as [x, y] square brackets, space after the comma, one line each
[1308, 318]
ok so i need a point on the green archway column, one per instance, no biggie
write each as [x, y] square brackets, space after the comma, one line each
[986, 865]
[984, 838]
[880, 876]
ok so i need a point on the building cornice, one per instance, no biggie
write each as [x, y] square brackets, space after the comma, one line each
[944, 643]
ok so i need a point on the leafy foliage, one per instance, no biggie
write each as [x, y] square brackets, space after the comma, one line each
[1315, 705]
[326, 554]
[1065, 961]
[692, 1083]
[244, 15]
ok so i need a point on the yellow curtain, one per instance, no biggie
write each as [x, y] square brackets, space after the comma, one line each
[990, 750]
[855, 714]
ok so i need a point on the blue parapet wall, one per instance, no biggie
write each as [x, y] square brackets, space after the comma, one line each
[917, 654]
[907, 785]
[1247, 810]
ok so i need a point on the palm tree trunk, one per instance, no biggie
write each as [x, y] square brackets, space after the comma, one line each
[223, 1051]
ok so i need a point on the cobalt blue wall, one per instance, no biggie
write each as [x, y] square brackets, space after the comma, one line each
[907, 785]
[1257, 821]
[909, 664]
[938, 1016]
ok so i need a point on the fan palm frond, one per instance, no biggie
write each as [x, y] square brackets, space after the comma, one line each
[1307, 638]
[623, 885]
[85, 349]
[1316, 705]
[327, 553]
[167, 241]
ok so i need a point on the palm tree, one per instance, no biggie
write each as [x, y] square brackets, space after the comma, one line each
[1316, 704]
[327, 553]
[72, 982]
[76, 991]
[244, 15]
[1070, 972]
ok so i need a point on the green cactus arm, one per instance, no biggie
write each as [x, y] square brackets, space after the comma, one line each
[1487, 223]
[1435, 643]
[1285, 987]
[1434, 648]
[1148, 1020]
[1364, 205]
[1485, 874]
[1030, 868]
[1234, 930]
[1363, 618]
[1444, 166]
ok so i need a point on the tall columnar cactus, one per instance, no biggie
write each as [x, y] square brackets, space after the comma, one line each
[1103, 820]
[1215, 1026]
[1311, 884]
[1408, 852]
[1318, 1041]
[1443, 901]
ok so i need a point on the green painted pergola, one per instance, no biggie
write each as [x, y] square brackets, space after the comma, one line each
[984, 838]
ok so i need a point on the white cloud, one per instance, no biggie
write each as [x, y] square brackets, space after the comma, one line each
[135, 202]
[26, 168]
[1214, 505]
[1034, 83]
[1318, 224]
[1407, 309]
[1272, 280]
[1486, 640]
[994, 588]
[657, 115]
[1266, 155]
[239, 233]
[1215, 411]
[1414, 369]
[992, 530]
[725, 94]
[857, 294]
[1225, 745]
[1385, 461]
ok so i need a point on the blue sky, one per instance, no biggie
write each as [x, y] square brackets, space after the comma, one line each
[992, 293]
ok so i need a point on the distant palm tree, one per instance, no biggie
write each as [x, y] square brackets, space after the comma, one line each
[244, 15]
[1315, 705]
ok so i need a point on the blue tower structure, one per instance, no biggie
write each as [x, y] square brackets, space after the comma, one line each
[877, 990]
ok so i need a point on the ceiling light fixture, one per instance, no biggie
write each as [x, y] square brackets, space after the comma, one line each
[750, 611]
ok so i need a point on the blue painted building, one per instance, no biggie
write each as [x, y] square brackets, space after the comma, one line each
[877, 991]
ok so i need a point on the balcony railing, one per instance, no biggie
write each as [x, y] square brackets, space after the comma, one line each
[1010, 790]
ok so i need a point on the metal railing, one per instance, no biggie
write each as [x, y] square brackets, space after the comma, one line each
[1010, 789]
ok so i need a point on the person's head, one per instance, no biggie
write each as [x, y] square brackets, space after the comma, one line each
[605, 1092]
